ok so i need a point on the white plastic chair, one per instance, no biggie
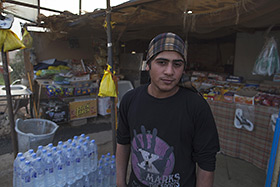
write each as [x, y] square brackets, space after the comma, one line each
[123, 87]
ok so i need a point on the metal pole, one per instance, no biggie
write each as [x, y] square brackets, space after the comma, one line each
[110, 62]
[39, 5]
[80, 7]
[273, 153]
[9, 102]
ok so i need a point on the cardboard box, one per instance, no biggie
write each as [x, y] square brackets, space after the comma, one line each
[104, 106]
[245, 97]
[80, 109]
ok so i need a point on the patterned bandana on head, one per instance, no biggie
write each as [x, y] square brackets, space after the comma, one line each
[166, 42]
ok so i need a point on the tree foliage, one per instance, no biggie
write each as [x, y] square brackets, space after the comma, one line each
[18, 67]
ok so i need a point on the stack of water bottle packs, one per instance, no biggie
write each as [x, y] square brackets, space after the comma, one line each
[70, 163]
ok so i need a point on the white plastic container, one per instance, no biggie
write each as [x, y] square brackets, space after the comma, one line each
[104, 106]
[34, 132]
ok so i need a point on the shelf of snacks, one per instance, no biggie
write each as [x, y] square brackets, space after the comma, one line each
[244, 113]
[67, 90]
[231, 89]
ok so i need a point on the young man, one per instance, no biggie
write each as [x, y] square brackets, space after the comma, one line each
[167, 129]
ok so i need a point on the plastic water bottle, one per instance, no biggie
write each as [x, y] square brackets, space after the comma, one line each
[107, 160]
[86, 159]
[87, 139]
[70, 167]
[33, 158]
[108, 155]
[64, 149]
[79, 154]
[81, 142]
[113, 176]
[21, 165]
[68, 143]
[49, 147]
[113, 158]
[49, 166]
[82, 137]
[54, 150]
[93, 178]
[100, 163]
[38, 175]
[101, 160]
[86, 181]
[39, 150]
[100, 177]
[44, 155]
[28, 153]
[60, 168]
[16, 172]
[59, 145]
[93, 155]
[26, 175]
[76, 140]
[73, 145]
[106, 172]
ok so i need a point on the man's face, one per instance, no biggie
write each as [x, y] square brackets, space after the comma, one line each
[165, 71]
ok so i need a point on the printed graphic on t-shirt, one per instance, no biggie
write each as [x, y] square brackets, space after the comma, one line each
[153, 159]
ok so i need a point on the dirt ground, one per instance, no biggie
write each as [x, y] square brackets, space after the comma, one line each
[5, 129]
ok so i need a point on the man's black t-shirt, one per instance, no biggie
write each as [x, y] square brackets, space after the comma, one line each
[168, 137]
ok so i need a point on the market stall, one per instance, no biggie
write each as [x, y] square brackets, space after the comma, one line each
[68, 92]
[252, 146]
[245, 114]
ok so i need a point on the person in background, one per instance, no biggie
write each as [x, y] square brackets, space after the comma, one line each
[169, 131]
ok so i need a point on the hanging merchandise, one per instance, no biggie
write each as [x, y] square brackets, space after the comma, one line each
[6, 22]
[27, 40]
[9, 41]
[244, 117]
[267, 62]
[107, 85]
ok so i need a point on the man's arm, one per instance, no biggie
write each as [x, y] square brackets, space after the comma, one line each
[204, 178]
[122, 158]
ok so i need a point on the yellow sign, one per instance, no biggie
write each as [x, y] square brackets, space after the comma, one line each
[83, 109]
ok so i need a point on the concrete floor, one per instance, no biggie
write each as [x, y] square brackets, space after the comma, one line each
[230, 172]
[233, 172]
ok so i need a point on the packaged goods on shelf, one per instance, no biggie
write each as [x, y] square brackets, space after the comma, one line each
[267, 100]
[228, 97]
[234, 79]
[54, 110]
[245, 97]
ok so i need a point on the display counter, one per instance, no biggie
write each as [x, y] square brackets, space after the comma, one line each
[21, 97]
[62, 108]
[253, 146]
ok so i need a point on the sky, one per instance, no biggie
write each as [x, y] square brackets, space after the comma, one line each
[69, 5]
[73, 5]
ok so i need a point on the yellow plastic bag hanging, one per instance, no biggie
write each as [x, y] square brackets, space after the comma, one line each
[107, 86]
[27, 40]
[10, 40]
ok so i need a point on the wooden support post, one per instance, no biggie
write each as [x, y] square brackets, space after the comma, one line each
[9, 102]
[110, 62]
